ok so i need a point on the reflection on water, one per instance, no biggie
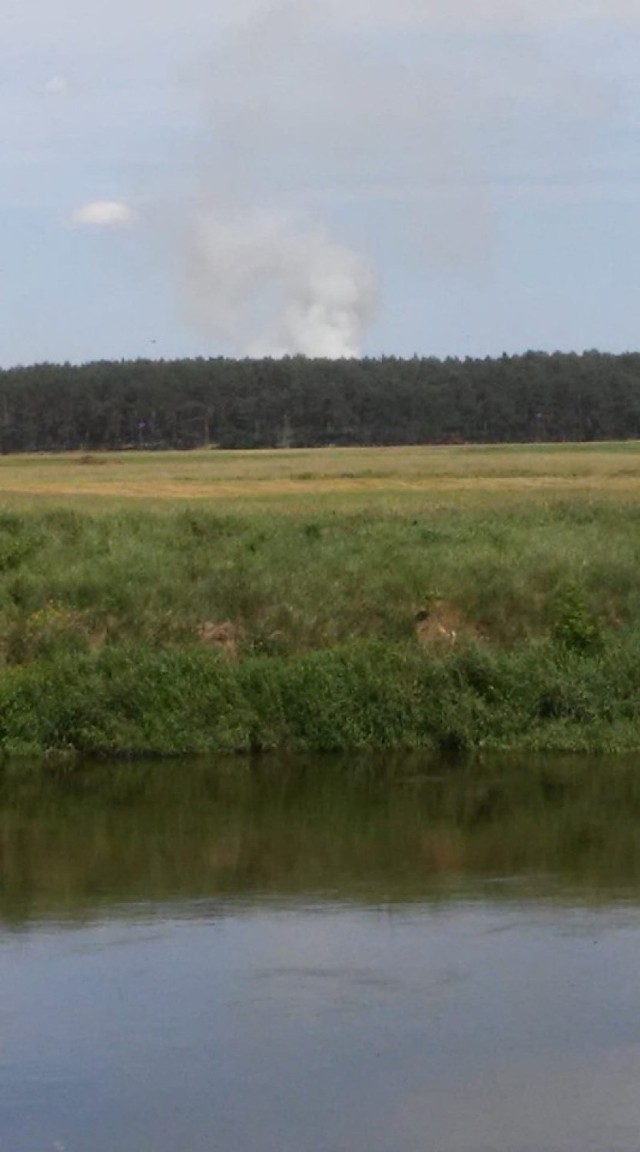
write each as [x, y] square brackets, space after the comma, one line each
[325, 956]
[72, 844]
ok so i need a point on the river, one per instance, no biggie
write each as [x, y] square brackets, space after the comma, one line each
[335, 956]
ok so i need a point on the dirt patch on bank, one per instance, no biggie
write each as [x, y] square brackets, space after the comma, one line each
[227, 637]
[442, 625]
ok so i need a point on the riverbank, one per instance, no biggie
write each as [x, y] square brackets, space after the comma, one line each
[398, 617]
[172, 702]
[138, 634]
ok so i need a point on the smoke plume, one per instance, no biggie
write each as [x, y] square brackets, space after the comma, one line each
[273, 287]
[266, 271]
[346, 135]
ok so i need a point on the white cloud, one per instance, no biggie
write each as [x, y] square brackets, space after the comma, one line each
[74, 28]
[462, 15]
[55, 86]
[103, 214]
[72, 21]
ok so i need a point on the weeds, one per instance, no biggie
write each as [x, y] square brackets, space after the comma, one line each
[574, 625]
[103, 623]
[127, 700]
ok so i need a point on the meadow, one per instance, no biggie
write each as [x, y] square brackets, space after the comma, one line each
[305, 480]
[458, 598]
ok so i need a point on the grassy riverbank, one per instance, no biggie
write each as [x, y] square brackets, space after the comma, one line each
[472, 598]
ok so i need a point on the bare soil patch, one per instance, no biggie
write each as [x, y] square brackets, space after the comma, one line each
[227, 637]
[442, 625]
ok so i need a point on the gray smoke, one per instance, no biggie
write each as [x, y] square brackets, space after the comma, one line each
[346, 134]
[266, 270]
[272, 287]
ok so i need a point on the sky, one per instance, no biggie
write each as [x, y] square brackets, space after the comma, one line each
[324, 177]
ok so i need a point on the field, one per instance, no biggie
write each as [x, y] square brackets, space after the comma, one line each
[455, 598]
[303, 480]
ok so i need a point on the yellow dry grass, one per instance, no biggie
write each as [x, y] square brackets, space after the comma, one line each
[300, 479]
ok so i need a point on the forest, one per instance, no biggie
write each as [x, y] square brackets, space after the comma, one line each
[298, 402]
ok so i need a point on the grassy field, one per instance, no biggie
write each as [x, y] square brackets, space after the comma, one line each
[457, 597]
[303, 480]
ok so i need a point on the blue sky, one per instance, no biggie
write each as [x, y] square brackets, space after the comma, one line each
[380, 176]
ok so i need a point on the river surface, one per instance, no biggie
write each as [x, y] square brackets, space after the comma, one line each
[321, 957]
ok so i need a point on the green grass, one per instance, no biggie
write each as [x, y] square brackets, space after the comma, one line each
[497, 616]
[136, 702]
[292, 584]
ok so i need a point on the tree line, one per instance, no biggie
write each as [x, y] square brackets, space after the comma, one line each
[300, 402]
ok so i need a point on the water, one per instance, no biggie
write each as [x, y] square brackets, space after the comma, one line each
[327, 957]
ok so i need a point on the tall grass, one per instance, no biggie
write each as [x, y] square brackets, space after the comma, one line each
[136, 701]
[187, 631]
[292, 584]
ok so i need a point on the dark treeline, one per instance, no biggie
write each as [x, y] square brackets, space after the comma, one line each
[299, 402]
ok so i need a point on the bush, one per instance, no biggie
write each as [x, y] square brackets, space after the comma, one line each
[574, 626]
